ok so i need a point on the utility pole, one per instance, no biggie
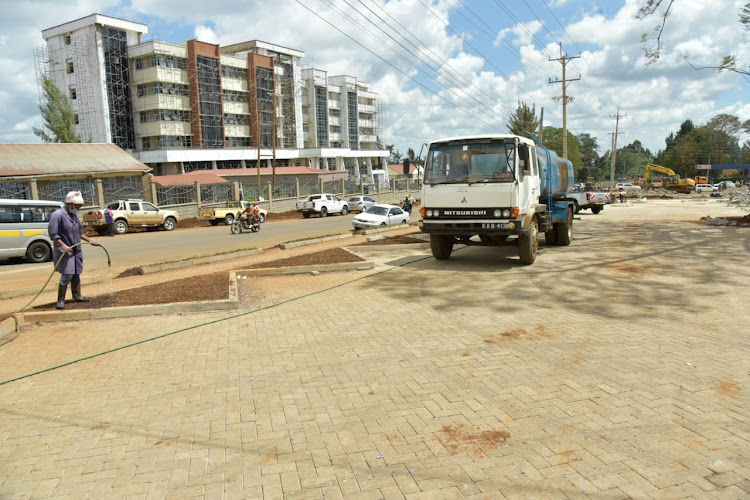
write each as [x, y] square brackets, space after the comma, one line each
[564, 59]
[541, 126]
[613, 156]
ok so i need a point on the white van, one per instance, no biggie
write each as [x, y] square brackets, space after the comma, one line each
[23, 229]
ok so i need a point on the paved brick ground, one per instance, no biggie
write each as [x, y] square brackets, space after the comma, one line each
[617, 367]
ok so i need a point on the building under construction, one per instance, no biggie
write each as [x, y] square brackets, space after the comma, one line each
[188, 106]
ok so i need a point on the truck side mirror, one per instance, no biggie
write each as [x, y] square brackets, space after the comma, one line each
[523, 153]
[407, 166]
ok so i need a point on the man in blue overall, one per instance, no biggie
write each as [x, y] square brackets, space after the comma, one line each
[66, 233]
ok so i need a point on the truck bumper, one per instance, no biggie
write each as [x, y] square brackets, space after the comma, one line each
[503, 227]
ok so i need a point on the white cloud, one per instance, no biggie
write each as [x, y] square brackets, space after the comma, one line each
[205, 34]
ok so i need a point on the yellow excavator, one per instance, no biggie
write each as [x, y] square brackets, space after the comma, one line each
[674, 182]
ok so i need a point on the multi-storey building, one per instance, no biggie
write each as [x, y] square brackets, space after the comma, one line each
[188, 106]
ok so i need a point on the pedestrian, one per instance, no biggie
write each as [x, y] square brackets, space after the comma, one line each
[110, 220]
[622, 195]
[66, 233]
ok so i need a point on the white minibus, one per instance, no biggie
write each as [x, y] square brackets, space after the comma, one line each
[23, 229]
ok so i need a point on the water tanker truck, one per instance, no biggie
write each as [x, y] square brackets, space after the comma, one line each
[495, 190]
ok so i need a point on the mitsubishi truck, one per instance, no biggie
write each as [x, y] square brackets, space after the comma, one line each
[495, 190]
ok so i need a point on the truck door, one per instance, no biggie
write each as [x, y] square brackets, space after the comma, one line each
[528, 175]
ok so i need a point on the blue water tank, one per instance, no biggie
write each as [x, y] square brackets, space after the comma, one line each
[560, 182]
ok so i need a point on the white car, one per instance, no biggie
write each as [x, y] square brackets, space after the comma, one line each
[380, 215]
[360, 203]
[701, 188]
[627, 185]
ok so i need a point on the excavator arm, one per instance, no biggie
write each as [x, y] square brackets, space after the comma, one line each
[657, 168]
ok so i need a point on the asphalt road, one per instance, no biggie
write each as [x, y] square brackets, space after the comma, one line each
[137, 249]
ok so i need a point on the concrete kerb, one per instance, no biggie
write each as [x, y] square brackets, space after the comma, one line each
[176, 264]
[313, 241]
[320, 268]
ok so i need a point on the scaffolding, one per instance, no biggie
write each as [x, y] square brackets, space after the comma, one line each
[117, 75]
[84, 104]
[42, 69]
[209, 99]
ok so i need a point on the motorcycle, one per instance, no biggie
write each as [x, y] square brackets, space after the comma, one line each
[406, 207]
[240, 224]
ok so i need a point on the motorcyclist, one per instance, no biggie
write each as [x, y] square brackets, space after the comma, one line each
[251, 213]
[406, 205]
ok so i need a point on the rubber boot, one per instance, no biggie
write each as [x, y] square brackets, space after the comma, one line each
[61, 291]
[76, 287]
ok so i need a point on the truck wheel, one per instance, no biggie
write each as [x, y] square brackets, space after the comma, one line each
[441, 246]
[169, 224]
[576, 208]
[550, 237]
[306, 215]
[38, 252]
[324, 212]
[564, 230]
[345, 210]
[228, 219]
[528, 243]
[261, 218]
[121, 226]
[595, 210]
[214, 222]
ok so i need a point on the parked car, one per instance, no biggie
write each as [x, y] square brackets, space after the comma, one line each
[226, 214]
[360, 203]
[132, 213]
[24, 229]
[702, 188]
[380, 215]
[627, 185]
[323, 204]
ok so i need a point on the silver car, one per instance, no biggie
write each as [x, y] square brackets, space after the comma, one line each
[360, 203]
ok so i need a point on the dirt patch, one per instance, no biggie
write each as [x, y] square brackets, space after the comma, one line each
[626, 268]
[213, 286]
[726, 221]
[727, 387]
[133, 271]
[332, 256]
[404, 239]
[462, 439]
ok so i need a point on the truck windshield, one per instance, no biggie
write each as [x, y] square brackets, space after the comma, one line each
[470, 163]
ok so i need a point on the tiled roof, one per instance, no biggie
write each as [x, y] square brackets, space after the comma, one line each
[203, 176]
[45, 159]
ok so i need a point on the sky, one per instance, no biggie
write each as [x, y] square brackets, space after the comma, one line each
[449, 67]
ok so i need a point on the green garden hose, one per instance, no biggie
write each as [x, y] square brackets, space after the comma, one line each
[109, 264]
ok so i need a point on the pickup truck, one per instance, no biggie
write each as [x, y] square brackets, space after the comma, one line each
[132, 213]
[324, 204]
[227, 212]
[594, 200]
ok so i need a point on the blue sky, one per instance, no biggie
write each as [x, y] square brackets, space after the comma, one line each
[486, 55]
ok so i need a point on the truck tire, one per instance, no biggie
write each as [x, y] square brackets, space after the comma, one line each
[214, 222]
[306, 215]
[121, 226]
[345, 210]
[550, 237]
[596, 209]
[564, 230]
[441, 246]
[38, 252]
[261, 218]
[528, 243]
[324, 212]
[169, 224]
[576, 208]
[228, 219]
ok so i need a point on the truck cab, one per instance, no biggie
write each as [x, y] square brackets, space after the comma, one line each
[494, 188]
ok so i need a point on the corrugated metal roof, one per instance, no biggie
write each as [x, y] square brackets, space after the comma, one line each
[203, 176]
[55, 159]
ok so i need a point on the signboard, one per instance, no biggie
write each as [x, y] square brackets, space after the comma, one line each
[703, 167]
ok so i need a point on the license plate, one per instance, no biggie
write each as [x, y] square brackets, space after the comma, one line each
[495, 225]
[85, 223]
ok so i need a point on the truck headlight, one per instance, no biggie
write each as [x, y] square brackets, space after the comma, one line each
[506, 213]
[497, 213]
[429, 213]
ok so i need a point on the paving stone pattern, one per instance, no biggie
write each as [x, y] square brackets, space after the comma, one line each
[616, 367]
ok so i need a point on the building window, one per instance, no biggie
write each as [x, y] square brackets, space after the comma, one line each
[75, 119]
[67, 39]
[233, 119]
[232, 72]
[70, 68]
[73, 93]
[164, 115]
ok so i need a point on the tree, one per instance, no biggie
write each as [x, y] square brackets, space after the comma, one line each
[553, 141]
[57, 115]
[393, 154]
[523, 119]
[652, 41]
[411, 155]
